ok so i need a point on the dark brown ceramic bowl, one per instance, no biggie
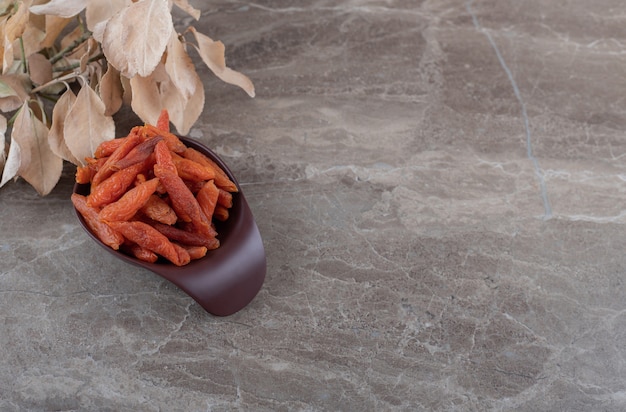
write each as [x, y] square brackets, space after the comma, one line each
[227, 278]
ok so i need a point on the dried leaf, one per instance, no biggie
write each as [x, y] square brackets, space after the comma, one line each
[212, 54]
[40, 68]
[56, 136]
[14, 89]
[183, 111]
[3, 130]
[14, 28]
[44, 168]
[13, 163]
[16, 24]
[180, 68]
[92, 48]
[54, 27]
[153, 93]
[61, 8]
[186, 7]
[99, 12]
[136, 49]
[5, 4]
[86, 125]
[111, 91]
[31, 40]
[146, 97]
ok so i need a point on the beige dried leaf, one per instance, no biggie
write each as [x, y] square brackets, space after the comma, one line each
[13, 28]
[61, 8]
[91, 49]
[5, 4]
[13, 162]
[44, 168]
[188, 8]
[14, 90]
[180, 67]
[71, 37]
[137, 48]
[3, 130]
[146, 97]
[152, 93]
[54, 27]
[127, 95]
[56, 136]
[99, 12]
[40, 68]
[32, 39]
[111, 90]
[183, 111]
[86, 125]
[212, 54]
[16, 24]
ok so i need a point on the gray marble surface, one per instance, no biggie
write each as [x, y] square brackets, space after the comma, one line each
[440, 187]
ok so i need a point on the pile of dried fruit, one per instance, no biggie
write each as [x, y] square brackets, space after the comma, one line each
[150, 195]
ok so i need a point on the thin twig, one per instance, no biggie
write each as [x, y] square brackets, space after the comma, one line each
[70, 48]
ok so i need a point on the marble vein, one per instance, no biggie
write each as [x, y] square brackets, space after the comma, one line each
[529, 149]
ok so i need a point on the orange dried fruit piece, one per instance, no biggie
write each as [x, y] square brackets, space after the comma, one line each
[84, 174]
[196, 252]
[163, 122]
[129, 204]
[137, 154]
[173, 142]
[106, 149]
[221, 213]
[225, 198]
[158, 210]
[105, 233]
[187, 238]
[183, 201]
[221, 178]
[141, 253]
[113, 187]
[191, 171]
[108, 168]
[207, 198]
[151, 239]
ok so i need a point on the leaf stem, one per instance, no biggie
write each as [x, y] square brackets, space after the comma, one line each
[77, 64]
[61, 54]
[24, 63]
[55, 81]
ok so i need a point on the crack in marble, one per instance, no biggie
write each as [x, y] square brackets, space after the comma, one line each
[529, 150]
